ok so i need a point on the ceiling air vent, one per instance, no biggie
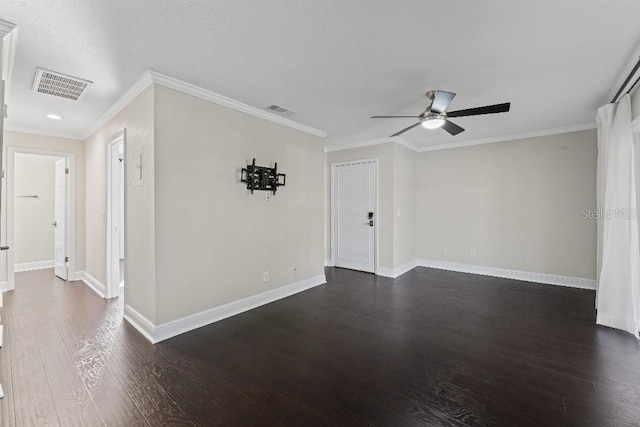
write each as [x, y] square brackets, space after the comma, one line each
[58, 84]
[280, 109]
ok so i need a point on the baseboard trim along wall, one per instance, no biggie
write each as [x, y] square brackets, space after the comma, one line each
[4, 287]
[155, 334]
[92, 282]
[398, 271]
[38, 265]
[549, 279]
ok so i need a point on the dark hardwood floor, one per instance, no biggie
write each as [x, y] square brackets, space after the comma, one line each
[429, 348]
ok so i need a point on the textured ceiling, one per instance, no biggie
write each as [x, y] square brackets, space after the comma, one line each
[335, 62]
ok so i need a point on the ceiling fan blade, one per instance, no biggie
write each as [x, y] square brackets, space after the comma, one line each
[487, 109]
[405, 129]
[394, 117]
[452, 128]
[441, 101]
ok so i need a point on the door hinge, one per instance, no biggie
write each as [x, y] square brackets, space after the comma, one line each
[66, 170]
[66, 259]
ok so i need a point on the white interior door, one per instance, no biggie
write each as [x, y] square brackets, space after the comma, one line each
[354, 216]
[59, 223]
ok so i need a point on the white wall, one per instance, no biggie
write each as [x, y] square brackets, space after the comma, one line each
[404, 205]
[635, 103]
[517, 204]
[48, 143]
[137, 118]
[214, 239]
[33, 232]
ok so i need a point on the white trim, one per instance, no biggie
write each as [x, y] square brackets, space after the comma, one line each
[112, 260]
[70, 234]
[92, 282]
[6, 27]
[151, 77]
[171, 329]
[512, 137]
[1, 334]
[397, 271]
[526, 276]
[34, 131]
[367, 143]
[207, 95]
[4, 287]
[376, 222]
[445, 146]
[9, 41]
[138, 87]
[141, 323]
[37, 265]
[328, 262]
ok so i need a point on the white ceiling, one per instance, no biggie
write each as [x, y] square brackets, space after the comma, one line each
[335, 62]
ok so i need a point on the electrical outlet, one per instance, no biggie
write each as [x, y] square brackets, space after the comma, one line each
[473, 254]
[265, 276]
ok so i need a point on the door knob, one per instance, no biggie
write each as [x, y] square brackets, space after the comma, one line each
[54, 223]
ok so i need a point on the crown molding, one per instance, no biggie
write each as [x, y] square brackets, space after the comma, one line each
[152, 77]
[34, 131]
[366, 143]
[6, 27]
[207, 95]
[512, 137]
[138, 87]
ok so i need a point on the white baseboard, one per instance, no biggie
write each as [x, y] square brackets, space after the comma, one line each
[92, 282]
[4, 287]
[171, 329]
[328, 262]
[141, 323]
[397, 271]
[550, 279]
[38, 265]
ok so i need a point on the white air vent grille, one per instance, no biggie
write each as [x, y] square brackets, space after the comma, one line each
[280, 109]
[58, 84]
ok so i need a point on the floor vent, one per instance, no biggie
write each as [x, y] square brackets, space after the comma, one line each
[58, 84]
[280, 109]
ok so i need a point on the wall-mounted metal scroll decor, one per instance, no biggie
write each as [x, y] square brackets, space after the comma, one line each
[262, 177]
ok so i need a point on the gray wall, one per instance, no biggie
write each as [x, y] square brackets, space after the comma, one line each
[213, 238]
[517, 204]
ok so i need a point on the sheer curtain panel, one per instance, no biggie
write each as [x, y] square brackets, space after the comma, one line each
[618, 281]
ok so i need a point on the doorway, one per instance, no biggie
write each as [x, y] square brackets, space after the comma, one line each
[354, 214]
[115, 216]
[40, 212]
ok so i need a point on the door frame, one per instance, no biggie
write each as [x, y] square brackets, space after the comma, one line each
[70, 208]
[376, 217]
[112, 287]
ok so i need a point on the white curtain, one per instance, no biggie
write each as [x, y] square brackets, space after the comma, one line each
[618, 281]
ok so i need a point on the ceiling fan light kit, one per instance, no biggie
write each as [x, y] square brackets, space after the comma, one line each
[436, 116]
[433, 122]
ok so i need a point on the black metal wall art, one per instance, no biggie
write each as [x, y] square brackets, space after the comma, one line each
[262, 177]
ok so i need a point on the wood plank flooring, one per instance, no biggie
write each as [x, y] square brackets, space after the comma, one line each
[429, 348]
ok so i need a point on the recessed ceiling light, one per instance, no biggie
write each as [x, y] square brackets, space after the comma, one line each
[54, 117]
